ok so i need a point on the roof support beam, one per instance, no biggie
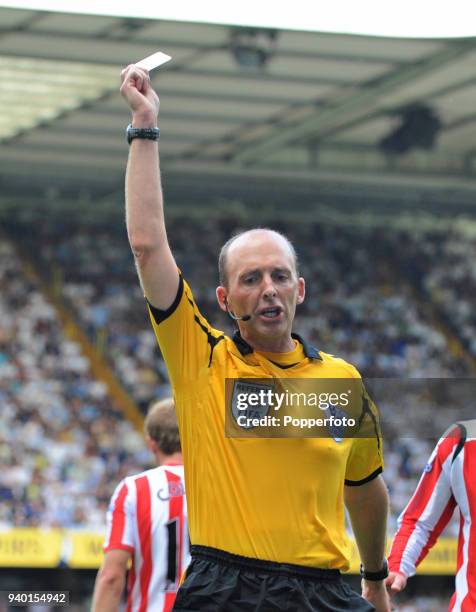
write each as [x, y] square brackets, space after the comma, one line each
[345, 108]
[109, 36]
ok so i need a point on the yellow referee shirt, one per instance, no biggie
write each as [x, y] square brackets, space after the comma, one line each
[277, 499]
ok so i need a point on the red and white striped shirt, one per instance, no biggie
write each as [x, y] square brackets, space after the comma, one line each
[147, 517]
[448, 480]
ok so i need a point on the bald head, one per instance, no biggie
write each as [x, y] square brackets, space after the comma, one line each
[249, 239]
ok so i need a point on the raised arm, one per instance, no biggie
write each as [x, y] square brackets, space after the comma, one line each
[144, 203]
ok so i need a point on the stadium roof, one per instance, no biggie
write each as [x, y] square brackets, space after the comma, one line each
[239, 107]
[405, 18]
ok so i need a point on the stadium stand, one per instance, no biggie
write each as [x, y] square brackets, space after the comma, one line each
[63, 443]
[63, 440]
[357, 307]
[443, 262]
[398, 304]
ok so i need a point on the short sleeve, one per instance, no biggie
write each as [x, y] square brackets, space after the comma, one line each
[365, 461]
[185, 337]
[121, 520]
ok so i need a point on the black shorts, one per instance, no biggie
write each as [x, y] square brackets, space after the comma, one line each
[219, 581]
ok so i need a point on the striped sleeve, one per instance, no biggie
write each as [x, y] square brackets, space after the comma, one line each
[121, 519]
[428, 511]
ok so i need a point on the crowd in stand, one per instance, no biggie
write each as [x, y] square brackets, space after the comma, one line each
[63, 443]
[445, 262]
[357, 307]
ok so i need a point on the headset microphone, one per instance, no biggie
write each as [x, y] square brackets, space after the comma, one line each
[233, 316]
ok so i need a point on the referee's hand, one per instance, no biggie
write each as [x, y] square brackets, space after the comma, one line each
[375, 592]
[140, 96]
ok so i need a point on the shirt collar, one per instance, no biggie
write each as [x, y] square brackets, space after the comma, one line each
[245, 349]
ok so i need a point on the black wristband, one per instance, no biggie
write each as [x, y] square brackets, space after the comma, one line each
[142, 133]
[375, 576]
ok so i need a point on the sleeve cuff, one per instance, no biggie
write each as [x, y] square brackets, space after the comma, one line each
[358, 483]
[119, 547]
[161, 315]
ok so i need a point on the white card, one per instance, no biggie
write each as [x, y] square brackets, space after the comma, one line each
[154, 61]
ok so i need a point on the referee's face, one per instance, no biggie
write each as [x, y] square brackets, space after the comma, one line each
[263, 283]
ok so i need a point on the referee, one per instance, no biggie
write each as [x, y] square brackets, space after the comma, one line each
[266, 516]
